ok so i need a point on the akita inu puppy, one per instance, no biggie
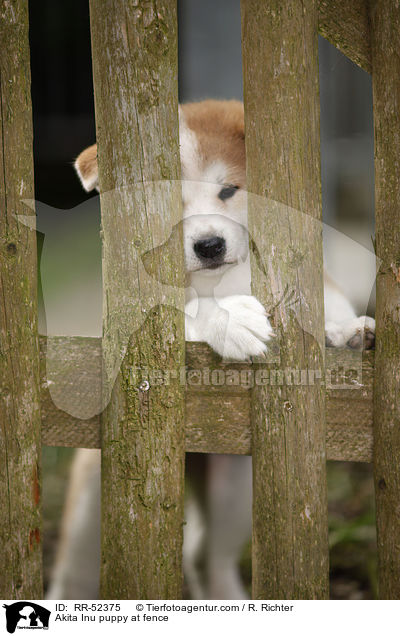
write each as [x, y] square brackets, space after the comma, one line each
[216, 242]
[221, 311]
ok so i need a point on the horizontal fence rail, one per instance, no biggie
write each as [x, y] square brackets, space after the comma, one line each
[217, 417]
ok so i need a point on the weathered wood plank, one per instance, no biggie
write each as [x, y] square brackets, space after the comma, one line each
[20, 449]
[134, 48]
[385, 19]
[345, 24]
[281, 97]
[217, 417]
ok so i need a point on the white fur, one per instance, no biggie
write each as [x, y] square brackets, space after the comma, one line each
[90, 181]
[219, 308]
[236, 327]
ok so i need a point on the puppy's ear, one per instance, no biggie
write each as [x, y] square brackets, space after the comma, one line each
[86, 167]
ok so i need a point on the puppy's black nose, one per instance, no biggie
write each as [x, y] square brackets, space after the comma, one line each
[210, 248]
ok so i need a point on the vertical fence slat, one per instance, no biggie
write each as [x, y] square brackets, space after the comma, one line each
[385, 24]
[20, 528]
[134, 47]
[280, 63]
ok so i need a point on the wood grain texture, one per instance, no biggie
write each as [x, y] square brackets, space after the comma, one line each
[217, 417]
[20, 447]
[385, 20]
[281, 97]
[61, 373]
[345, 24]
[134, 47]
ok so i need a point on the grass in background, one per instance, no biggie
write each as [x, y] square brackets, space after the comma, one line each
[352, 533]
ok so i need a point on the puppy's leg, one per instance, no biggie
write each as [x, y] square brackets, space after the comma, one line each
[230, 501]
[236, 327]
[194, 530]
[193, 540]
[77, 566]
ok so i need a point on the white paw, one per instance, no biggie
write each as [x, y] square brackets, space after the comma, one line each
[356, 333]
[240, 328]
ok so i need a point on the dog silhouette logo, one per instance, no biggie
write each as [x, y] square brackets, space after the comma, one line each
[26, 615]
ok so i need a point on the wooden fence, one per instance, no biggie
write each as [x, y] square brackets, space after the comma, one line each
[146, 429]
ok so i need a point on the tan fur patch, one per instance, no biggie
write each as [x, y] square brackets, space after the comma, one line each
[86, 165]
[219, 128]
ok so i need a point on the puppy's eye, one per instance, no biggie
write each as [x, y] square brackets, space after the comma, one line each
[227, 192]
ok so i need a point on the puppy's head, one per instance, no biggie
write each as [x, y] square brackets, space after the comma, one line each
[212, 152]
[213, 185]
